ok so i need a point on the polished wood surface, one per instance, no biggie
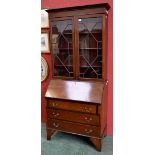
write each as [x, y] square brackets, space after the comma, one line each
[82, 129]
[69, 109]
[94, 66]
[82, 10]
[76, 90]
[50, 133]
[72, 106]
[73, 116]
[76, 98]
[97, 143]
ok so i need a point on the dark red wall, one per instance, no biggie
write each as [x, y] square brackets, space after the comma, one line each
[71, 3]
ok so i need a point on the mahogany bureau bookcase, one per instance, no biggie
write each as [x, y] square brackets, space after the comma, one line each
[76, 98]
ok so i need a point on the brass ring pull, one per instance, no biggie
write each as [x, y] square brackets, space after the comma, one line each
[55, 124]
[54, 104]
[88, 109]
[88, 119]
[55, 114]
[88, 130]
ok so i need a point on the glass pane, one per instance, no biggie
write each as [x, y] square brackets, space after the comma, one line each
[90, 46]
[62, 48]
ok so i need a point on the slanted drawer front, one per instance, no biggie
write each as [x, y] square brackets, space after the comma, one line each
[70, 127]
[73, 106]
[73, 116]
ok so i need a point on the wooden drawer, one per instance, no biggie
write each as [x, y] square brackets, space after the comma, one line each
[82, 129]
[73, 106]
[73, 116]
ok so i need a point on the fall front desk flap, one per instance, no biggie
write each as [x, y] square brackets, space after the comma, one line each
[85, 91]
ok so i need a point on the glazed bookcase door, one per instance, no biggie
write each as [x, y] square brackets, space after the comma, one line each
[90, 47]
[63, 47]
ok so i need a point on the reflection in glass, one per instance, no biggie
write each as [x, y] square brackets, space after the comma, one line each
[90, 46]
[62, 48]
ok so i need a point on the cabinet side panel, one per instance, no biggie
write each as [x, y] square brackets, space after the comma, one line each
[102, 110]
[104, 48]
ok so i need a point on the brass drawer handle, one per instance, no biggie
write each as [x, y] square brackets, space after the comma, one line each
[87, 109]
[55, 114]
[88, 119]
[88, 130]
[54, 104]
[56, 124]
